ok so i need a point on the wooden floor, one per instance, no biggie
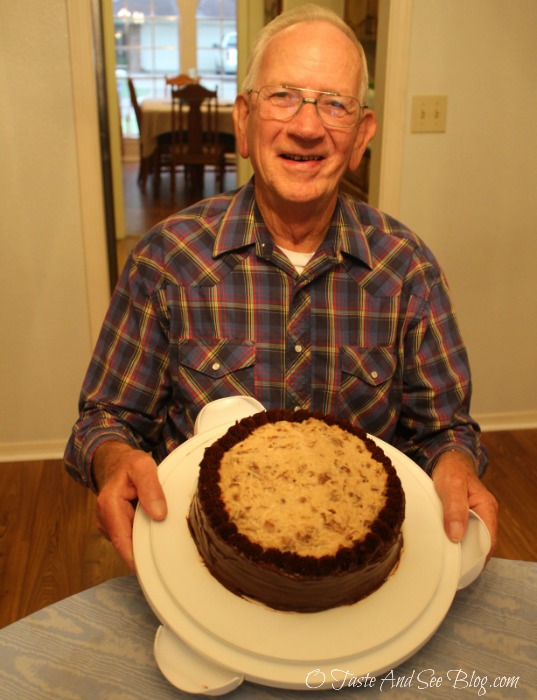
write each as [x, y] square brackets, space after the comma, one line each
[144, 210]
[50, 547]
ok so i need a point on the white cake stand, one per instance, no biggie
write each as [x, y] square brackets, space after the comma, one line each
[248, 640]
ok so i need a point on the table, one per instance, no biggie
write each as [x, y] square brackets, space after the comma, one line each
[97, 645]
[157, 119]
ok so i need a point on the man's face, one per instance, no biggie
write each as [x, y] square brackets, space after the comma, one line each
[301, 161]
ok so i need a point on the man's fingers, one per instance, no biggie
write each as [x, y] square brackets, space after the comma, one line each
[150, 493]
[452, 487]
[125, 475]
[123, 546]
[460, 490]
[486, 506]
[455, 503]
[455, 517]
[114, 520]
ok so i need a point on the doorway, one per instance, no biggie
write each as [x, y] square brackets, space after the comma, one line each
[152, 41]
[390, 20]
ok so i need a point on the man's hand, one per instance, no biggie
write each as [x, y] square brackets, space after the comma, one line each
[460, 489]
[124, 474]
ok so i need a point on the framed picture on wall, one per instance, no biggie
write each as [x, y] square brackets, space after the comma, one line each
[361, 16]
[272, 9]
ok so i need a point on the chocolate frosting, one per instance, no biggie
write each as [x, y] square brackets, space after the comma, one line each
[284, 580]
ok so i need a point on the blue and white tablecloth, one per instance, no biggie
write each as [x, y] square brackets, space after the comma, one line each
[98, 645]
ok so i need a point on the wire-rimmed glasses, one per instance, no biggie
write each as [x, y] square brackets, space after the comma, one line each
[282, 102]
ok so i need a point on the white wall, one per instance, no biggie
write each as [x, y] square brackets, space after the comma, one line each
[471, 193]
[45, 308]
[336, 5]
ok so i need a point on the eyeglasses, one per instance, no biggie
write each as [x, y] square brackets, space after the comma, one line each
[281, 103]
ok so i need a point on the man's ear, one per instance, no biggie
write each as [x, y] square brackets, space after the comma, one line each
[366, 130]
[241, 111]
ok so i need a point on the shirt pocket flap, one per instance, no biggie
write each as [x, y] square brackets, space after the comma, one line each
[216, 357]
[373, 365]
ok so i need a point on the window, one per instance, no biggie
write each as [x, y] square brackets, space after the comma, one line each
[147, 49]
[147, 39]
[216, 22]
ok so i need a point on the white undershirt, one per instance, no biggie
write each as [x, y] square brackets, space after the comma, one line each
[298, 260]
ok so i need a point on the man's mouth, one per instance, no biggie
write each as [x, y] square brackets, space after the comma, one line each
[300, 159]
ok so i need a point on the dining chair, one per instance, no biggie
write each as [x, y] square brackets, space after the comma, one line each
[229, 146]
[196, 140]
[138, 115]
[160, 160]
[180, 80]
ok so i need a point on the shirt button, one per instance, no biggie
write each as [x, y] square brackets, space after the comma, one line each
[374, 374]
[216, 366]
[298, 348]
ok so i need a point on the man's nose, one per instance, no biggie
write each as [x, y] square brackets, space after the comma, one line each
[307, 118]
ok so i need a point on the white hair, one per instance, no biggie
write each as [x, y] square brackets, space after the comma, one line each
[302, 13]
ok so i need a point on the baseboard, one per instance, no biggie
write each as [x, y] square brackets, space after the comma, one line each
[32, 451]
[131, 150]
[519, 420]
[54, 449]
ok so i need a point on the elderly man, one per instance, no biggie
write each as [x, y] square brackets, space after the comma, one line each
[285, 290]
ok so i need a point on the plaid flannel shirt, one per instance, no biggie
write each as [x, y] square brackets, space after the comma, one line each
[207, 307]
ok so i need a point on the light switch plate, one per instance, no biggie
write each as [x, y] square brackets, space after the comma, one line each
[429, 113]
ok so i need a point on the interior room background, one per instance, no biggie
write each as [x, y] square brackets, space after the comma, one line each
[469, 192]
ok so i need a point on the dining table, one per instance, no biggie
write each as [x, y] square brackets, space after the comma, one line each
[157, 120]
[98, 645]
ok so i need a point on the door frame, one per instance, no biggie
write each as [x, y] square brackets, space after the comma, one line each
[395, 17]
[95, 237]
[391, 98]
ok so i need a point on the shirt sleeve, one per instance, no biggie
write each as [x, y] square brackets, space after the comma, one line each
[124, 392]
[435, 411]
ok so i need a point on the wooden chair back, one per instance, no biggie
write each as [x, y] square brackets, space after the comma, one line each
[196, 140]
[179, 81]
[195, 125]
[135, 104]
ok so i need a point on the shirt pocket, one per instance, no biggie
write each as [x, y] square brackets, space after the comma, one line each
[371, 365]
[367, 382]
[213, 368]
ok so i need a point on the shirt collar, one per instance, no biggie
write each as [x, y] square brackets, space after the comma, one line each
[238, 226]
[352, 233]
[241, 226]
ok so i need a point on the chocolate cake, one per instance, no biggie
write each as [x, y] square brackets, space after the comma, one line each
[298, 510]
